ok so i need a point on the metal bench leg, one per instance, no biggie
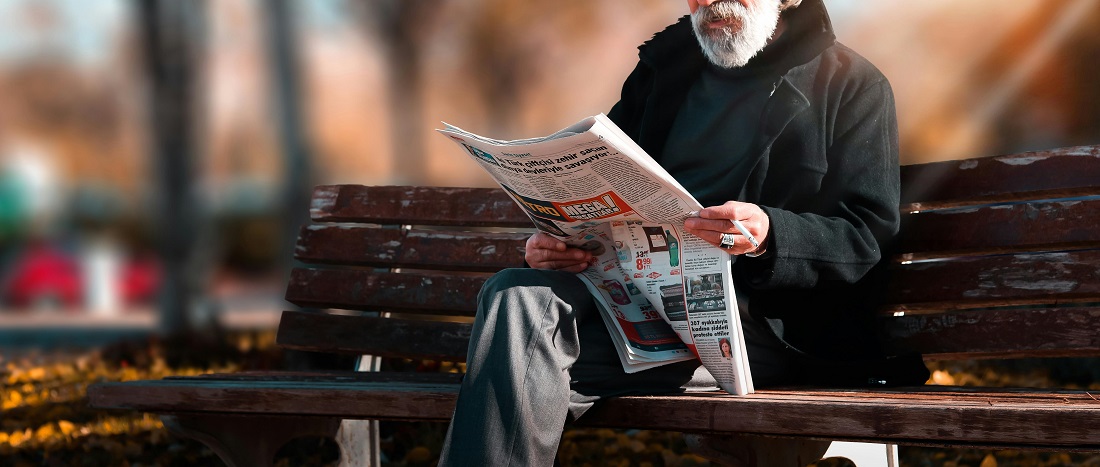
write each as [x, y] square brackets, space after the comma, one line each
[865, 454]
[358, 440]
[742, 450]
[248, 441]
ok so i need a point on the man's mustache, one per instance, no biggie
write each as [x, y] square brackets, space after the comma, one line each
[722, 10]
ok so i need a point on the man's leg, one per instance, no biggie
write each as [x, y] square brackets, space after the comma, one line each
[539, 346]
[514, 398]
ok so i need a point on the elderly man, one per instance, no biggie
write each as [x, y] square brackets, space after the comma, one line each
[756, 110]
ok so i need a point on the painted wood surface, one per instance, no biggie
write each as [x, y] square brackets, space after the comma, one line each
[425, 249]
[1056, 173]
[1037, 419]
[385, 337]
[998, 333]
[358, 289]
[1010, 280]
[400, 205]
[1045, 226]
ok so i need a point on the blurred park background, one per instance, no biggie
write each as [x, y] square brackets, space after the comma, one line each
[156, 156]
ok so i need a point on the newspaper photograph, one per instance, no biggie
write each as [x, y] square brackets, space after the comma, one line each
[665, 295]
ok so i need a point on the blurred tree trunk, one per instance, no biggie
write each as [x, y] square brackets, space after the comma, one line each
[296, 188]
[402, 28]
[171, 32]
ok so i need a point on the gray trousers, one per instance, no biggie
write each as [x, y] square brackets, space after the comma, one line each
[539, 355]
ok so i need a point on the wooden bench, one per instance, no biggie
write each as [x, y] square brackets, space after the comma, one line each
[1000, 259]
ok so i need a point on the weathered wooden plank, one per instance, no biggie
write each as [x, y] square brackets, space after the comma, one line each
[417, 205]
[390, 400]
[1046, 226]
[332, 376]
[357, 289]
[961, 394]
[1057, 173]
[384, 337]
[425, 249]
[942, 394]
[1040, 421]
[1004, 333]
[1024, 279]
[989, 423]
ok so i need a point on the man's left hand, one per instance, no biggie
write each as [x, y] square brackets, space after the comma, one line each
[716, 220]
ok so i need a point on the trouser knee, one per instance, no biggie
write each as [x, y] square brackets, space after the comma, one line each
[527, 285]
[517, 307]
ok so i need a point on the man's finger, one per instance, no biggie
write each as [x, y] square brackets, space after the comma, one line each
[730, 210]
[571, 255]
[713, 225]
[543, 241]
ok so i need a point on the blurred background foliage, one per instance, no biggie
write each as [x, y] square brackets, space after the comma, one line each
[156, 156]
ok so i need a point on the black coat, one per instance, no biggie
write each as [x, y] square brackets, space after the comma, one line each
[826, 175]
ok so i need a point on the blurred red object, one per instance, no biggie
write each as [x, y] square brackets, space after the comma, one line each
[48, 277]
[44, 277]
[140, 281]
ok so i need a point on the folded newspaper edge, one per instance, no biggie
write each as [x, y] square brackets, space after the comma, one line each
[665, 295]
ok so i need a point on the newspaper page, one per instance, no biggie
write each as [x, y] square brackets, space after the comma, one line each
[664, 294]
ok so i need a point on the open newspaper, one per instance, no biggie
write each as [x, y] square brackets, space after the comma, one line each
[664, 294]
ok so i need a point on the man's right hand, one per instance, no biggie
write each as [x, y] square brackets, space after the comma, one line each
[546, 252]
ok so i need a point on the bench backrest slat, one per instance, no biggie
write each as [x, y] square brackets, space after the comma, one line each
[1039, 332]
[1057, 173]
[396, 248]
[386, 337]
[357, 289]
[1030, 279]
[1041, 226]
[401, 205]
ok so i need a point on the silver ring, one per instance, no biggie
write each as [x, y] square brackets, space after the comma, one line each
[728, 240]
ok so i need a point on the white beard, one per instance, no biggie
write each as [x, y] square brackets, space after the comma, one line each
[727, 48]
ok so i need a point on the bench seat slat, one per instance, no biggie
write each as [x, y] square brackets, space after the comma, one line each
[1001, 229]
[1057, 173]
[963, 394]
[1004, 333]
[357, 289]
[1025, 279]
[991, 418]
[417, 205]
[333, 376]
[1044, 424]
[385, 337]
[423, 249]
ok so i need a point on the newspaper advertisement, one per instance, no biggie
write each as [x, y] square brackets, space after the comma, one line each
[664, 294]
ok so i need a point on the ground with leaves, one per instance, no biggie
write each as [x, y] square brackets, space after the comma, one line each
[45, 421]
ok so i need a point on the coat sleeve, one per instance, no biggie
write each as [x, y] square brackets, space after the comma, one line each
[843, 239]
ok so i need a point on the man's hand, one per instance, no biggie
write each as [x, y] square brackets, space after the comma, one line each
[546, 252]
[716, 220]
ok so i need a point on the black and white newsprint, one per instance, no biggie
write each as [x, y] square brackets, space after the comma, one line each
[665, 295]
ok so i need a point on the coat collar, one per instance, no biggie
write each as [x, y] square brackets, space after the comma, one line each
[676, 59]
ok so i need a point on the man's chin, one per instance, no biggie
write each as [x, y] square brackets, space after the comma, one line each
[726, 58]
[717, 35]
